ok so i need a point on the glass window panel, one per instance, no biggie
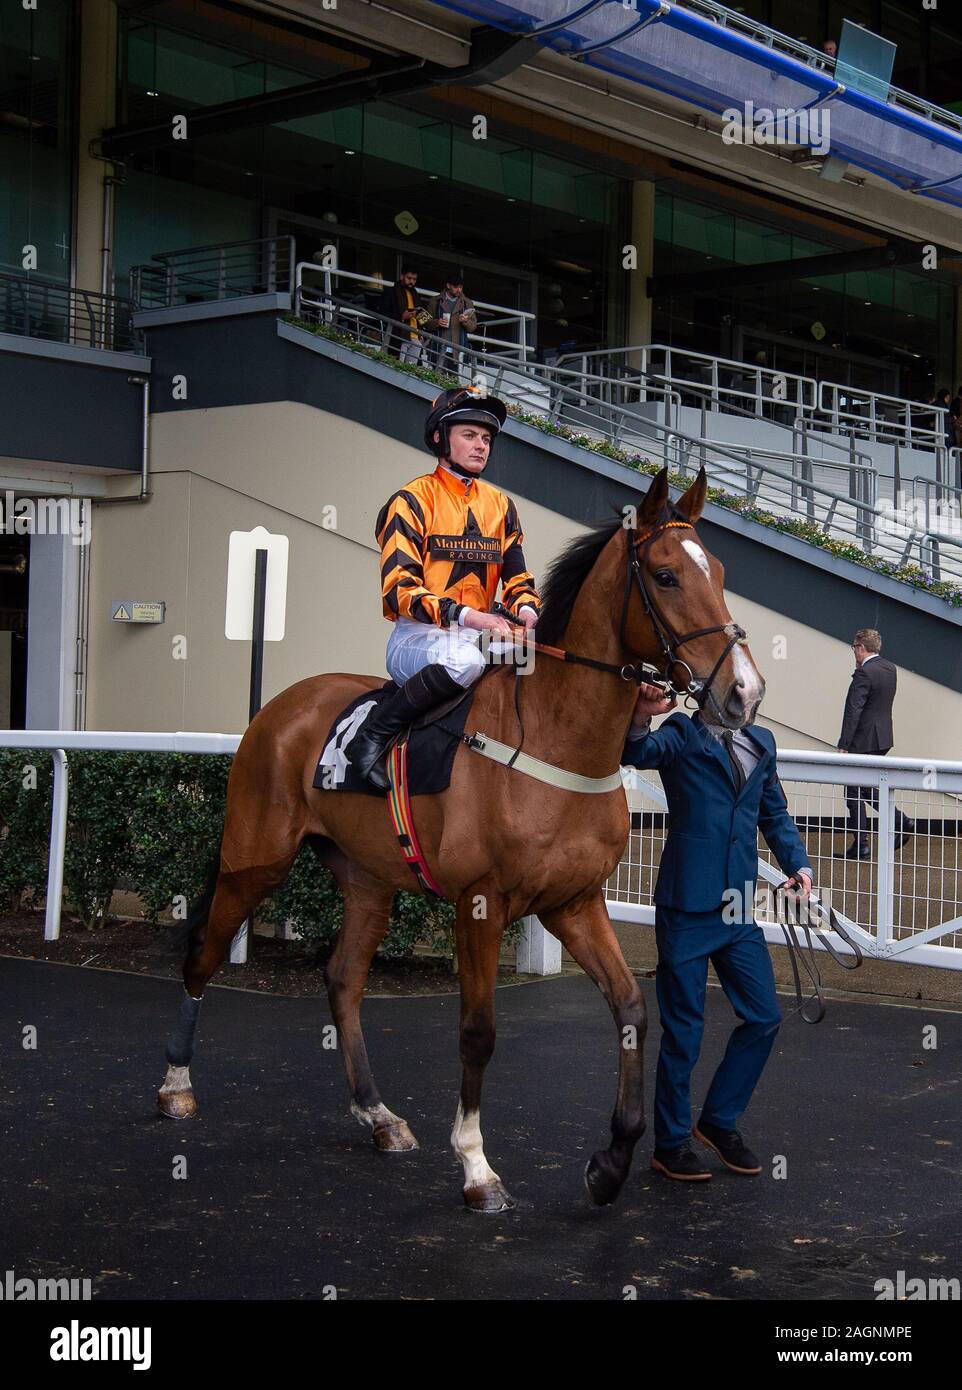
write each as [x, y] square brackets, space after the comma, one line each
[36, 138]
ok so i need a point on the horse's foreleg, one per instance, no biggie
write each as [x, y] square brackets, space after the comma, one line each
[367, 907]
[236, 896]
[479, 943]
[585, 930]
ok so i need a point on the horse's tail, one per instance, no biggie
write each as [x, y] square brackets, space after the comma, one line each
[184, 937]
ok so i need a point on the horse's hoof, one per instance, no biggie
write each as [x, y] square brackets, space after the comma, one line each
[395, 1138]
[490, 1198]
[602, 1182]
[177, 1105]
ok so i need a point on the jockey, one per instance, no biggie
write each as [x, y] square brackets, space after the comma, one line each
[447, 539]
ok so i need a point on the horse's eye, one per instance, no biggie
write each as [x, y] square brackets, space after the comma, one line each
[665, 579]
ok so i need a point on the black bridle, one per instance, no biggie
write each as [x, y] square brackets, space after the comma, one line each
[697, 688]
[642, 672]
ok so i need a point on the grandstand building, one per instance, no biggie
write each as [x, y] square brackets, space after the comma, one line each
[205, 201]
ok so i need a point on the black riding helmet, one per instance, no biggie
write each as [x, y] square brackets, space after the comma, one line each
[465, 405]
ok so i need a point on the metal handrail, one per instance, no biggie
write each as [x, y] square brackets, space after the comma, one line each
[302, 294]
[883, 429]
[565, 392]
[768, 390]
[645, 351]
[34, 307]
[793, 486]
[230, 270]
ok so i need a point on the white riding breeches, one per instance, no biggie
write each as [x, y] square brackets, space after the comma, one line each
[413, 645]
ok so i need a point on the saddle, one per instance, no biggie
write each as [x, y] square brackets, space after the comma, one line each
[432, 741]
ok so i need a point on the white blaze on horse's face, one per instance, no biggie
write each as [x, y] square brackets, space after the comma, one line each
[699, 557]
[745, 671]
[753, 687]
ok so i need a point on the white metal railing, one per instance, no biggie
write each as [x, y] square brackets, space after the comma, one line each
[773, 481]
[327, 300]
[730, 386]
[779, 483]
[885, 419]
[901, 904]
[725, 383]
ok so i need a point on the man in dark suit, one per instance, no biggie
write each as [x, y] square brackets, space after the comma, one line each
[867, 728]
[722, 787]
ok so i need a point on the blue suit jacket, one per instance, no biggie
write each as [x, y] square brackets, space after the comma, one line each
[712, 843]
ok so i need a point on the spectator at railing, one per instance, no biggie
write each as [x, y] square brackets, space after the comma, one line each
[954, 421]
[828, 54]
[943, 399]
[927, 419]
[453, 317]
[400, 302]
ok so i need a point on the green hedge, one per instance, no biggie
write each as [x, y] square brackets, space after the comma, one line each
[150, 823]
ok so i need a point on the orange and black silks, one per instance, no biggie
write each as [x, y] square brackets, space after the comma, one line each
[446, 542]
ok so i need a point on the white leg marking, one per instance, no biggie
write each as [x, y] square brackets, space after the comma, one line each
[699, 556]
[177, 1079]
[467, 1144]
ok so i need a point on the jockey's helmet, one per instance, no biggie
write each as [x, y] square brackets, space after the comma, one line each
[464, 405]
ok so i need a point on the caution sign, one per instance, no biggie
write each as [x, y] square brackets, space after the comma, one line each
[137, 611]
[147, 612]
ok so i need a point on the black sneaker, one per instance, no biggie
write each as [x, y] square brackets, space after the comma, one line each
[728, 1145]
[682, 1164]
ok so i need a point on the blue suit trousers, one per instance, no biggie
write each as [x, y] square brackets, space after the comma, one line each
[687, 941]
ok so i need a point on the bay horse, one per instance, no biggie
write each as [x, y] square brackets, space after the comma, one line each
[496, 837]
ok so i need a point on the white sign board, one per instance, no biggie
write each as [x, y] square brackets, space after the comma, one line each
[239, 620]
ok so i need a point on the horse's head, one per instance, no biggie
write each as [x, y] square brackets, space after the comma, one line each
[678, 591]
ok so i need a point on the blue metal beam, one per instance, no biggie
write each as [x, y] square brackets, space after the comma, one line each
[716, 68]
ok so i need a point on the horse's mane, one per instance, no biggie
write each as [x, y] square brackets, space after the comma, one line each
[569, 570]
[566, 574]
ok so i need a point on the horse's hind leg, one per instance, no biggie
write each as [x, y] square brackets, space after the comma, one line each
[585, 929]
[236, 896]
[367, 907]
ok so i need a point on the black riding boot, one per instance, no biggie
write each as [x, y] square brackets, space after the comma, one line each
[428, 687]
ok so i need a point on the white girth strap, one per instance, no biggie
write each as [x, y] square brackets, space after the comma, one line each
[544, 772]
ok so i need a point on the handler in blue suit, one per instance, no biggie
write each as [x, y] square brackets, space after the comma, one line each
[721, 787]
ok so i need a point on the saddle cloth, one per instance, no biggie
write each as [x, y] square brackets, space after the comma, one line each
[432, 743]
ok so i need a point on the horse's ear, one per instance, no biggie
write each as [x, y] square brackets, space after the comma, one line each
[656, 498]
[691, 503]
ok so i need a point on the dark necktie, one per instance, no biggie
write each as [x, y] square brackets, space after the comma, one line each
[738, 772]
